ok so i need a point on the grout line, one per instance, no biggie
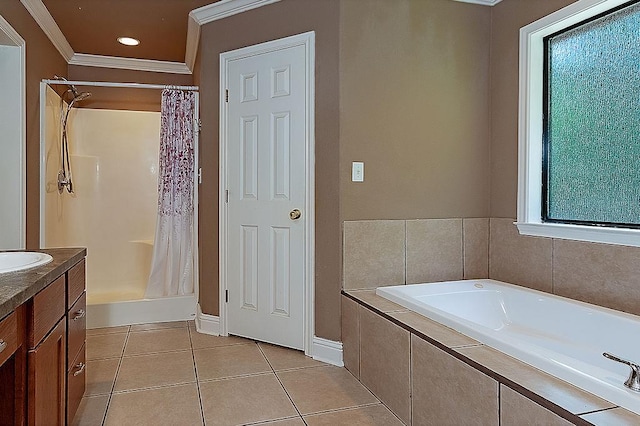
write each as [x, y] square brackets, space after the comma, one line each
[154, 387]
[239, 376]
[464, 267]
[113, 385]
[280, 381]
[195, 371]
[352, 407]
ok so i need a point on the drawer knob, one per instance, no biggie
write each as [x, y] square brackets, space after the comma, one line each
[80, 369]
[3, 345]
[79, 314]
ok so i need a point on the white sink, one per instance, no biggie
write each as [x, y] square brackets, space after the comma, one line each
[18, 260]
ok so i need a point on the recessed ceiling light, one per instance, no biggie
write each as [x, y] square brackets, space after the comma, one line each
[128, 41]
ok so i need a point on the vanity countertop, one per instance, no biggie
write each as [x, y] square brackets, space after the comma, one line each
[20, 286]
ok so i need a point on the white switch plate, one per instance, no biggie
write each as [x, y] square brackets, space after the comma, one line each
[357, 171]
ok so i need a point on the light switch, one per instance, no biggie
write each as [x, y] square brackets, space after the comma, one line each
[357, 171]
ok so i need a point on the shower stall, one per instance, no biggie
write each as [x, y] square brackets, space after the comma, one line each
[99, 189]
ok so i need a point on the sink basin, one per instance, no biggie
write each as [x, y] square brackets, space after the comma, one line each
[19, 260]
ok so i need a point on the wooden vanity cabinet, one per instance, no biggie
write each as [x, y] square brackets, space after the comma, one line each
[12, 369]
[56, 319]
[47, 356]
[76, 337]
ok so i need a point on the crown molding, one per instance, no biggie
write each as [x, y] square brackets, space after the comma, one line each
[7, 33]
[41, 15]
[87, 60]
[213, 12]
[193, 39]
[225, 8]
[482, 2]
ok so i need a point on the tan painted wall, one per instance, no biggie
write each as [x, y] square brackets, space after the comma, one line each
[414, 106]
[43, 61]
[413, 99]
[508, 17]
[278, 20]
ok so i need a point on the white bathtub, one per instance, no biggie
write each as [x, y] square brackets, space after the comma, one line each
[560, 336]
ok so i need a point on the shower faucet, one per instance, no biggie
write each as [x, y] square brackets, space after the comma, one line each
[64, 181]
[633, 382]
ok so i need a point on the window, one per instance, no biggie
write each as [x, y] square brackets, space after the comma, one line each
[579, 141]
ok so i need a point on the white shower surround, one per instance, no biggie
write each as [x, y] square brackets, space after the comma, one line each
[114, 162]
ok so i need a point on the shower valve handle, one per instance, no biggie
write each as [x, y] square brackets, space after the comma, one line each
[633, 382]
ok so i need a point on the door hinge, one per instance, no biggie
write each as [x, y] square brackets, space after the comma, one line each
[200, 175]
[226, 195]
[226, 296]
[199, 124]
[226, 96]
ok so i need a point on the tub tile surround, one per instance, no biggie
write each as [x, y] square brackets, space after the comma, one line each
[384, 362]
[393, 252]
[516, 410]
[449, 361]
[446, 390]
[434, 250]
[475, 241]
[601, 274]
[518, 259]
[374, 253]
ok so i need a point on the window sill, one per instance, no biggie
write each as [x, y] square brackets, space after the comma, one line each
[618, 236]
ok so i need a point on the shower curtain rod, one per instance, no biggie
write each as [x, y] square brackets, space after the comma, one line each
[125, 85]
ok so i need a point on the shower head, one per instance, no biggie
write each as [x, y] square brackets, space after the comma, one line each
[81, 96]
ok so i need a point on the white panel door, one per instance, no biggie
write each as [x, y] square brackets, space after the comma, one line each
[266, 125]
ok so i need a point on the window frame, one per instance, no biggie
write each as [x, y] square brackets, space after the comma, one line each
[531, 130]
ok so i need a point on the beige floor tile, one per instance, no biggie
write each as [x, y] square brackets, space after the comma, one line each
[162, 369]
[324, 388]
[173, 405]
[202, 341]
[145, 342]
[284, 358]
[101, 374]
[228, 361]
[363, 416]
[105, 346]
[107, 330]
[91, 411]
[158, 325]
[244, 400]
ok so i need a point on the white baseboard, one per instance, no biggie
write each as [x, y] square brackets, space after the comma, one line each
[327, 351]
[207, 324]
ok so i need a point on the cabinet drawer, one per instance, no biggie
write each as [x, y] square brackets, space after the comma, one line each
[76, 327]
[75, 282]
[47, 307]
[8, 336]
[76, 379]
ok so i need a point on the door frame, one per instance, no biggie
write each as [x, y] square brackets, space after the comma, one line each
[16, 98]
[308, 41]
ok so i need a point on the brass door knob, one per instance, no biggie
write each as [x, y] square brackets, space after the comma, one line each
[295, 214]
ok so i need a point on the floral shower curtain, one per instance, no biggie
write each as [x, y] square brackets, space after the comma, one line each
[172, 265]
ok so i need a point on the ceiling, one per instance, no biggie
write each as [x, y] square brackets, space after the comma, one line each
[93, 26]
[85, 32]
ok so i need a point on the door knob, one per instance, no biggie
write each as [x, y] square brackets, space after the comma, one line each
[295, 214]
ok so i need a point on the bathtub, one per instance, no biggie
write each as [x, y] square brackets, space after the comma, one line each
[559, 336]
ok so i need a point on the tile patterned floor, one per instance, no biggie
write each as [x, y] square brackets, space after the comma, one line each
[169, 374]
